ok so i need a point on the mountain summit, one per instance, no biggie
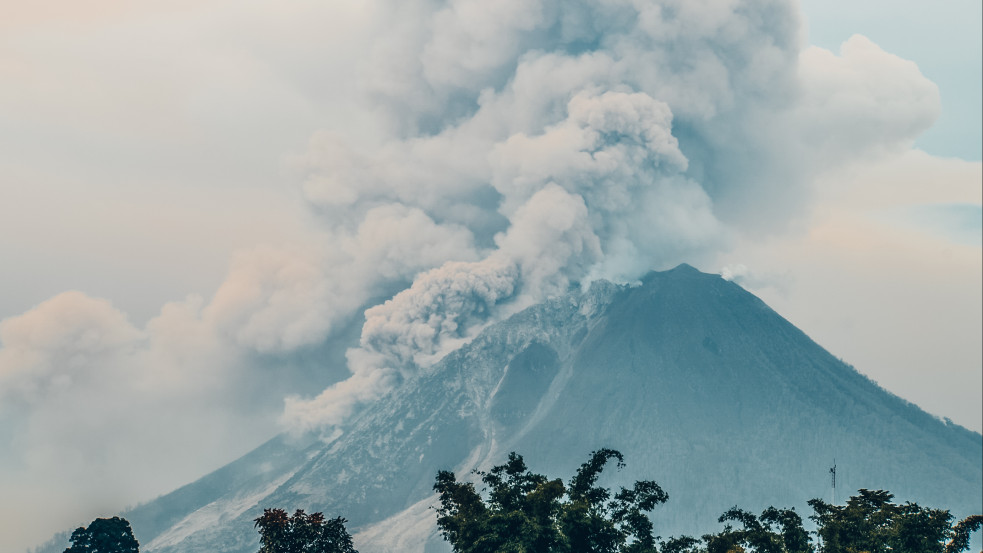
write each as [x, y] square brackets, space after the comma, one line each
[701, 385]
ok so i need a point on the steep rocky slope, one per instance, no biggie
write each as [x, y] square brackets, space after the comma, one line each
[702, 386]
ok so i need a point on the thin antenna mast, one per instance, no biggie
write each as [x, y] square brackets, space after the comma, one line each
[832, 473]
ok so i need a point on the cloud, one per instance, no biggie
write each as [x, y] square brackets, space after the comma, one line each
[548, 246]
[404, 333]
[443, 302]
[279, 299]
[551, 241]
[91, 407]
[863, 99]
[593, 141]
[58, 344]
[273, 300]
[395, 241]
[756, 280]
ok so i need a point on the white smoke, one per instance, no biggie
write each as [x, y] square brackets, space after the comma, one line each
[406, 332]
[526, 147]
[583, 140]
[443, 302]
[548, 245]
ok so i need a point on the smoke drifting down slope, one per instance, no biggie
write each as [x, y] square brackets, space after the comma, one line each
[557, 144]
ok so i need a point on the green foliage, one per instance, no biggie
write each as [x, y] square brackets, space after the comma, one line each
[871, 523]
[682, 544]
[961, 532]
[529, 513]
[775, 531]
[522, 512]
[302, 533]
[104, 535]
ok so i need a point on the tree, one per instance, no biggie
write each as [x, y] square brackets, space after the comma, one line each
[104, 535]
[775, 531]
[960, 533]
[302, 533]
[871, 523]
[529, 513]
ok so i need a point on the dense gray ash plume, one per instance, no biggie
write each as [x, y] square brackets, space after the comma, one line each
[554, 143]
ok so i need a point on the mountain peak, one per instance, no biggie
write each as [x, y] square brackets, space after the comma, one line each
[681, 271]
[686, 281]
[684, 268]
[701, 385]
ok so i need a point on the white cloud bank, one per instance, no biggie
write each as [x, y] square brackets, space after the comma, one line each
[473, 158]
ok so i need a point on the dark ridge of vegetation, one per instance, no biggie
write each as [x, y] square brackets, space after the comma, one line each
[104, 535]
[522, 512]
[302, 533]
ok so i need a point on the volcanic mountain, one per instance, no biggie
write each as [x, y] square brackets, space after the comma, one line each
[701, 385]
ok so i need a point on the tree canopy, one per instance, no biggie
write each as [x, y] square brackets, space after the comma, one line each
[522, 512]
[870, 522]
[104, 535]
[302, 533]
[775, 531]
[526, 512]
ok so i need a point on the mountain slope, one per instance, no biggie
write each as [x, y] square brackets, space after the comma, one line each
[709, 391]
[702, 386]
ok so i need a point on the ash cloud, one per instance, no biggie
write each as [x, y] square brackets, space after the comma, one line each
[579, 140]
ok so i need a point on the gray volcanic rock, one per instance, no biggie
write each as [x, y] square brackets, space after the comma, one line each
[702, 386]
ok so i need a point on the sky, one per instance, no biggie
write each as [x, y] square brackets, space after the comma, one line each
[199, 200]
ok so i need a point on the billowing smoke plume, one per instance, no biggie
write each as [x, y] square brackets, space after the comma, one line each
[575, 140]
[496, 154]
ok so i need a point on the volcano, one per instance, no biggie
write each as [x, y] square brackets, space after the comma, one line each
[701, 385]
